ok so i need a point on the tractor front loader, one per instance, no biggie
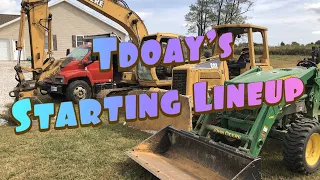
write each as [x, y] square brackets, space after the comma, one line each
[227, 145]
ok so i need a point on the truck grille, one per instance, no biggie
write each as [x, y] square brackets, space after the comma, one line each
[179, 81]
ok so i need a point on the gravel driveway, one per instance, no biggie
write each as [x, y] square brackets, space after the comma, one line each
[8, 82]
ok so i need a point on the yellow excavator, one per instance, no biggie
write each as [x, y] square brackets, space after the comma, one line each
[212, 70]
[43, 64]
[49, 73]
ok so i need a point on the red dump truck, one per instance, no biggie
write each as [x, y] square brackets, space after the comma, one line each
[80, 77]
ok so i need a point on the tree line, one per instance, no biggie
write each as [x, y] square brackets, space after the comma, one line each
[204, 14]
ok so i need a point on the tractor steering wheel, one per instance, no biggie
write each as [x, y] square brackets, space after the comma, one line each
[307, 63]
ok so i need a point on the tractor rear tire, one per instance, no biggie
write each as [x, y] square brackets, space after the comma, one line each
[78, 90]
[301, 151]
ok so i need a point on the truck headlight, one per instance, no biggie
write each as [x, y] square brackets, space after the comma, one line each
[59, 80]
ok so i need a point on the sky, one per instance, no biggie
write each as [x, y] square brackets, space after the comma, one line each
[286, 20]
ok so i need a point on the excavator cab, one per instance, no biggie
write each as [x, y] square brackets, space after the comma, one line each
[154, 77]
[160, 76]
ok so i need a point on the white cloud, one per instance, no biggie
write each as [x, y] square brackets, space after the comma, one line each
[265, 6]
[168, 20]
[144, 15]
[9, 6]
[285, 19]
[312, 5]
[316, 32]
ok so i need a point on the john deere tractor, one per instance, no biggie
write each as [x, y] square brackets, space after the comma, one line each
[227, 145]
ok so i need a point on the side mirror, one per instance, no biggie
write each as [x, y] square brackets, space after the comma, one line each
[68, 52]
[94, 58]
[86, 63]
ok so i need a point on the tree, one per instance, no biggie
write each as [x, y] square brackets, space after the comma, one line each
[317, 42]
[295, 44]
[200, 16]
[282, 43]
[233, 11]
[205, 13]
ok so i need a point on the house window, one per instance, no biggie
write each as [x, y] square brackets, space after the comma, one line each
[54, 43]
[80, 40]
[77, 40]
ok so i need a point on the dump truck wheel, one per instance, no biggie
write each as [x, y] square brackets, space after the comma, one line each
[78, 90]
[301, 151]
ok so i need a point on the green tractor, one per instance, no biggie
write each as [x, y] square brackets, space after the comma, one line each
[227, 145]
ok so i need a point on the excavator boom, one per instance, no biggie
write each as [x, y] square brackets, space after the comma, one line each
[118, 11]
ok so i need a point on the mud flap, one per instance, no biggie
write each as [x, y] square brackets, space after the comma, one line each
[178, 154]
[183, 121]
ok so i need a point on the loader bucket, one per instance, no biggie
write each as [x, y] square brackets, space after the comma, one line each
[178, 154]
[183, 121]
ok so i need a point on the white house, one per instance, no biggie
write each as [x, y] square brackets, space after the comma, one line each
[71, 22]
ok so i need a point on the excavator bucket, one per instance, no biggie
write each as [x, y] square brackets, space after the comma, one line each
[178, 154]
[183, 121]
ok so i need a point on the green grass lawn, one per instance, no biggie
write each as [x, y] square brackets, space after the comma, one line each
[278, 61]
[99, 153]
[95, 153]
[84, 153]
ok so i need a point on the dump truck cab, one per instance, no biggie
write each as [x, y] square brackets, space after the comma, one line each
[79, 75]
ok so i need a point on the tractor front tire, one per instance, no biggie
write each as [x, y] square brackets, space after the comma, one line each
[78, 90]
[301, 151]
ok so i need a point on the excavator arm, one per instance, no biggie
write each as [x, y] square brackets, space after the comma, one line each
[119, 12]
[39, 24]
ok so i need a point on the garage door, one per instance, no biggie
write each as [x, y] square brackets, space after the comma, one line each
[4, 49]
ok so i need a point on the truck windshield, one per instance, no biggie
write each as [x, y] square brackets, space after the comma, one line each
[79, 53]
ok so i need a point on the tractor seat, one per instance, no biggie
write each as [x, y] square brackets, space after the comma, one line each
[244, 56]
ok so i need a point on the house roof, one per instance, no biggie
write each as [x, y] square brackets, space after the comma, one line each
[77, 5]
[4, 18]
